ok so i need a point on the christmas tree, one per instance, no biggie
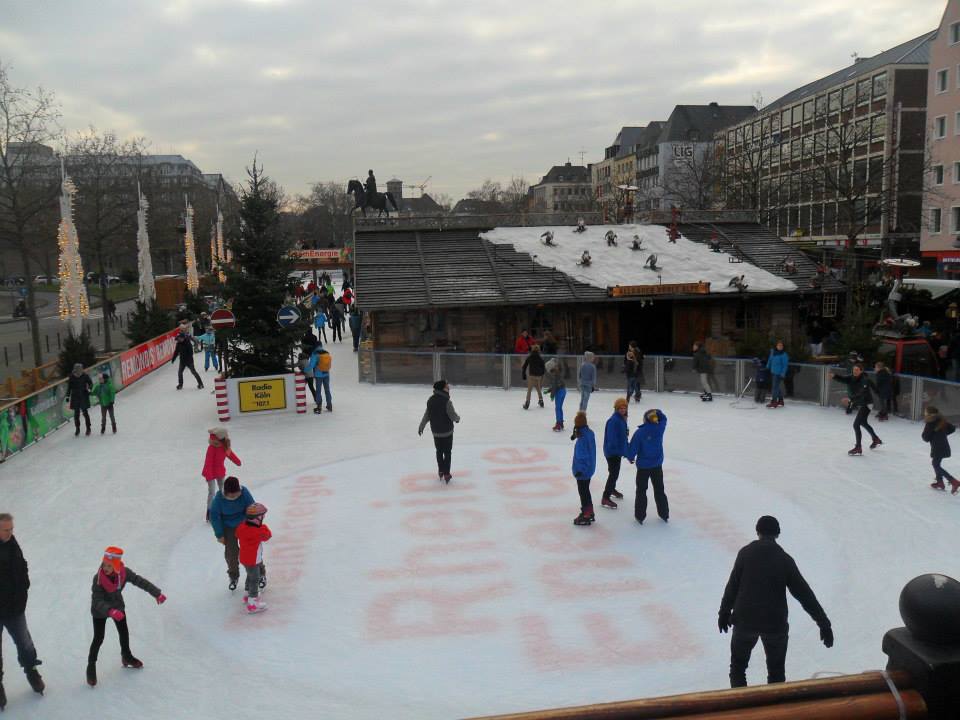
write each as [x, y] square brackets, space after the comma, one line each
[258, 283]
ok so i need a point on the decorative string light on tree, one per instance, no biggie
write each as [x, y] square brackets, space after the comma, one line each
[148, 290]
[193, 279]
[222, 253]
[74, 305]
[213, 247]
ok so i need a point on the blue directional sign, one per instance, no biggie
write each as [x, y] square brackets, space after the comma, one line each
[288, 315]
[23, 292]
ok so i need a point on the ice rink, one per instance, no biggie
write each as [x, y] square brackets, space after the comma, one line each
[392, 595]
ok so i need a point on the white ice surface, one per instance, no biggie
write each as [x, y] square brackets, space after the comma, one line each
[685, 261]
[394, 596]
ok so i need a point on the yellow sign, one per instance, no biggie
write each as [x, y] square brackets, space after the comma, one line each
[265, 394]
[697, 288]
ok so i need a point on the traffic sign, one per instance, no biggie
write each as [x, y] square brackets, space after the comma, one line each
[288, 315]
[222, 318]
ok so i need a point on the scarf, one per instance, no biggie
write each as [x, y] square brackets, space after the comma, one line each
[114, 583]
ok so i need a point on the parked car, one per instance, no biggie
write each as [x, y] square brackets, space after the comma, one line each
[46, 280]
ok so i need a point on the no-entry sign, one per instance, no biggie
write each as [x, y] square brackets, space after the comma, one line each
[222, 318]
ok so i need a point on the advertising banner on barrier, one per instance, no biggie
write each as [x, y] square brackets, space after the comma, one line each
[146, 357]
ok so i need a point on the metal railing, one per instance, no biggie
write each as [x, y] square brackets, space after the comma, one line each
[455, 222]
[661, 373]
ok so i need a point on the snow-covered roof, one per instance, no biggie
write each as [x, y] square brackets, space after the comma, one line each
[685, 261]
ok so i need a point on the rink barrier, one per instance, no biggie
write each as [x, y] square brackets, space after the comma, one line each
[28, 420]
[300, 392]
[223, 406]
[805, 382]
[866, 696]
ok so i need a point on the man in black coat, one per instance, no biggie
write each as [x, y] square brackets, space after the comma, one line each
[755, 603]
[184, 351]
[79, 386]
[14, 583]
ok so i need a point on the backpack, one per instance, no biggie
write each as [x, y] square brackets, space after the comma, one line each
[324, 361]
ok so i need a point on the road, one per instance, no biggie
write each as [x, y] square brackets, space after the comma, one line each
[15, 333]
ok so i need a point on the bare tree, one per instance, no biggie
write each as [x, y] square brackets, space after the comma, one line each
[105, 171]
[444, 200]
[323, 216]
[29, 175]
[514, 197]
[693, 181]
[489, 191]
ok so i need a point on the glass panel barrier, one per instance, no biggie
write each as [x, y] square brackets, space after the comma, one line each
[404, 367]
[480, 369]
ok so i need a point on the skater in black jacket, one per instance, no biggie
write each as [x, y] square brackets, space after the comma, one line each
[884, 383]
[859, 399]
[79, 386]
[755, 603]
[14, 584]
[441, 416]
[184, 351]
[935, 432]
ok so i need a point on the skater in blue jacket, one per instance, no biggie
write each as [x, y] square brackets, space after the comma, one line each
[646, 448]
[584, 465]
[615, 437]
[777, 363]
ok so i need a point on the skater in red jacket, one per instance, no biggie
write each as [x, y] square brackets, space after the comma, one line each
[107, 602]
[214, 464]
[251, 534]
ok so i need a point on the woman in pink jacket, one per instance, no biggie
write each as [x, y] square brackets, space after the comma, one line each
[214, 465]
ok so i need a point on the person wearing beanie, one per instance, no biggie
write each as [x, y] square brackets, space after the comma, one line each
[319, 365]
[646, 450]
[214, 463]
[532, 371]
[107, 602]
[106, 395]
[183, 350]
[228, 510]
[441, 416]
[860, 399]
[755, 604]
[615, 437]
[14, 587]
[584, 466]
[935, 431]
[557, 391]
[251, 534]
[586, 379]
[79, 386]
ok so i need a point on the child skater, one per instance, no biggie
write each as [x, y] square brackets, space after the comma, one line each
[935, 432]
[107, 602]
[860, 399]
[584, 465]
[214, 464]
[106, 395]
[646, 449]
[557, 391]
[615, 437]
[251, 534]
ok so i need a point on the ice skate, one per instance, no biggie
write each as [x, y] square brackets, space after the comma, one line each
[706, 397]
[36, 682]
[608, 503]
[317, 410]
[254, 606]
[780, 402]
[541, 403]
[856, 450]
[617, 494]
[526, 406]
[584, 518]
[91, 674]
[558, 427]
[876, 443]
[447, 477]
[131, 662]
[954, 486]
[938, 485]
[233, 584]
[773, 404]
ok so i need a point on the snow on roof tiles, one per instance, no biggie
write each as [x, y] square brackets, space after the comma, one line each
[685, 261]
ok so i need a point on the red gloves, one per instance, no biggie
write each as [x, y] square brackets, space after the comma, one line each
[116, 614]
[161, 599]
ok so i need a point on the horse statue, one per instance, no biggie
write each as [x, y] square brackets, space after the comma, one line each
[377, 202]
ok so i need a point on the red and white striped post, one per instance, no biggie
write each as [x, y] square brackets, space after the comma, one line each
[300, 392]
[223, 405]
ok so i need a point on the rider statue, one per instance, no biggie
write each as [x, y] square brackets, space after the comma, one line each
[371, 186]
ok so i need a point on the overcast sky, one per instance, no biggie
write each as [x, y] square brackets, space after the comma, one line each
[415, 88]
